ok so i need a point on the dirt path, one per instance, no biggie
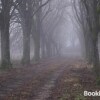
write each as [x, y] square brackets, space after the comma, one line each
[45, 90]
[31, 83]
[53, 79]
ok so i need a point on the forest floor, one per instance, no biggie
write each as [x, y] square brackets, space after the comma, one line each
[53, 79]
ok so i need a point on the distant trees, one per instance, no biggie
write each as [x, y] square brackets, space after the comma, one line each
[50, 42]
[79, 19]
[39, 20]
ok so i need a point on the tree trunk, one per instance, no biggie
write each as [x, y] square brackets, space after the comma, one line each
[37, 47]
[5, 44]
[26, 45]
[43, 48]
[96, 57]
[48, 49]
[37, 33]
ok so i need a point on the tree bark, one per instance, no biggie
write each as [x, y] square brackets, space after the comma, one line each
[96, 58]
[5, 42]
[26, 45]
[37, 49]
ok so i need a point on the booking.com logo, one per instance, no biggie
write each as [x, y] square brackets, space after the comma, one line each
[96, 93]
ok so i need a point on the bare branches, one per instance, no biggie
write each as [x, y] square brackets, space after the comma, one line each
[41, 7]
[15, 5]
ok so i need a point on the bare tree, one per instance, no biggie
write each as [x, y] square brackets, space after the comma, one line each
[5, 16]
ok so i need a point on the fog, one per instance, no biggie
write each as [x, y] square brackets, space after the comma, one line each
[57, 26]
[49, 49]
[43, 29]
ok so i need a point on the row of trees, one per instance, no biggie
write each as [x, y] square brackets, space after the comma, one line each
[87, 14]
[38, 20]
